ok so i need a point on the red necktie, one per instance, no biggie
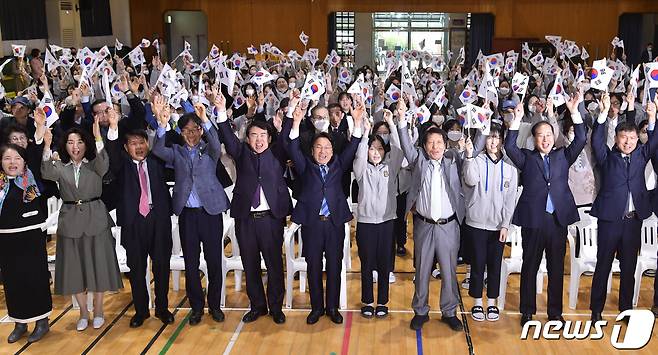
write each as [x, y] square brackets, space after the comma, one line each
[144, 208]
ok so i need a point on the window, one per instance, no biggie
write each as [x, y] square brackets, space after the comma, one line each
[23, 20]
[344, 32]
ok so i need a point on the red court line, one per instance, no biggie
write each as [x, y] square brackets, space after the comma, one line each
[346, 335]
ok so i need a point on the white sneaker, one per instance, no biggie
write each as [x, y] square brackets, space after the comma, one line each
[98, 322]
[391, 277]
[82, 324]
[374, 276]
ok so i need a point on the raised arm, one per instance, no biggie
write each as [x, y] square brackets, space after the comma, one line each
[162, 114]
[580, 133]
[470, 169]
[231, 142]
[113, 146]
[650, 149]
[100, 164]
[511, 149]
[215, 147]
[599, 131]
[293, 148]
[410, 152]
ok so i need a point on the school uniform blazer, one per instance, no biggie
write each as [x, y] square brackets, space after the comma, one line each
[270, 175]
[90, 218]
[313, 189]
[200, 170]
[532, 203]
[125, 171]
[611, 202]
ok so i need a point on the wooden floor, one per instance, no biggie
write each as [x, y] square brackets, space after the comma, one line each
[355, 336]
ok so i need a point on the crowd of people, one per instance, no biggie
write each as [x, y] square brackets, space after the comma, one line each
[519, 139]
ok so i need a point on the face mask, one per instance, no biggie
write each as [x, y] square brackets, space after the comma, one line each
[368, 76]
[571, 136]
[455, 135]
[321, 125]
[504, 91]
[385, 137]
[624, 106]
[438, 119]
[175, 116]
[592, 106]
[249, 92]
[76, 77]
[291, 85]
[532, 109]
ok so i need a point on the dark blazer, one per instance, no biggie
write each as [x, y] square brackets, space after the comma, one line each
[125, 170]
[313, 189]
[532, 203]
[616, 179]
[201, 170]
[270, 175]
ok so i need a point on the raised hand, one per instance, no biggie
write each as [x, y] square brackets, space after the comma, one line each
[388, 117]
[518, 113]
[113, 118]
[468, 147]
[134, 85]
[47, 138]
[220, 102]
[39, 117]
[573, 103]
[604, 103]
[96, 129]
[401, 109]
[200, 111]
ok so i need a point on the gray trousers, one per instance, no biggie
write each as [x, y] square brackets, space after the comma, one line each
[442, 241]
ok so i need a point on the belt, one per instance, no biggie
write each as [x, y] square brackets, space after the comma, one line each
[439, 221]
[630, 215]
[79, 202]
[323, 218]
[260, 214]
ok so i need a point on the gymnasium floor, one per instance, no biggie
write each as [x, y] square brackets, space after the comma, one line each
[355, 336]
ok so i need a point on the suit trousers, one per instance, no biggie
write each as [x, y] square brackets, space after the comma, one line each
[264, 236]
[196, 227]
[439, 241]
[374, 242]
[323, 237]
[400, 227]
[486, 250]
[552, 238]
[624, 239]
[143, 238]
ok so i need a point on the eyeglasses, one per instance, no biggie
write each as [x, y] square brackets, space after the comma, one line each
[615, 103]
[18, 139]
[103, 112]
[190, 130]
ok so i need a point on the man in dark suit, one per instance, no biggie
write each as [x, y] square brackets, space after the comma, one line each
[546, 206]
[199, 200]
[143, 212]
[322, 209]
[260, 205]
[621, 204]
[648, 54]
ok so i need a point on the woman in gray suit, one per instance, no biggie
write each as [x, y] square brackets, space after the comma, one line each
[86, 260]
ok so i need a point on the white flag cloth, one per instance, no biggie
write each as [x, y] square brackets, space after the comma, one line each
[136, 57]
[252, 50]
[601, 75]
[103, 53]
[584, 55]
[651, 71]
[520, 83]
[18, 50]
[423, 114]
[538, 60]
[635, 79]
[51, 62]
[145, 43]
[226, 76]
[49, 109]
[314, 86]
[468, 96]
[303, 38]
[526, 53]
[117, 45]
[393, 93]
[557, 92]
[55, 48]
[106, 89]
[407, 82]
[344, 75]
[554, 40]
[441, 99]
[261, 77]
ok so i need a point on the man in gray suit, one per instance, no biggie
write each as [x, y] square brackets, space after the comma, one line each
[437, 202]
[198, 200]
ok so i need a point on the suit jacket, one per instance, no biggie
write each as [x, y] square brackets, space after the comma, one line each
[129, 192]
[532, 203]
[616, 179]
[451, 163]
[266, 168]
[201, 171]
[89, 218]
[313, 189]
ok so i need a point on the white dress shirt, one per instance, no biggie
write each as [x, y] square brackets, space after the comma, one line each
[433, 201]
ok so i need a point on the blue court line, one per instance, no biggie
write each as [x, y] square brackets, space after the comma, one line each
[419, 341]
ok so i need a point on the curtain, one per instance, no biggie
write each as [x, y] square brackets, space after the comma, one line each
[331, 32]
[480, 36]
[630, 31]
[23, 19]
[95, 19]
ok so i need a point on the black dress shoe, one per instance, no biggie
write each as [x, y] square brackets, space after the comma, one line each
[138, 319]
[596, 316]
[417, 321]
[278, 317]
[195, 317]
[525, 317]
[654, 309]
[217, 314]
[557, 318]
[252, 315]
[19, 330]
[165, 316]
[401, 251]
[314, 316]
[335, 316]
[454, 323]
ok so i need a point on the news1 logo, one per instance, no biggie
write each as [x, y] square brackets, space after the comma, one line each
[638, 331]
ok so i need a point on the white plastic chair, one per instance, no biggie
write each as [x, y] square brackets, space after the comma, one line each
[586, 260]
[176, 262]
[514, 263]
[647, 260]
[295, 262]
[53, 204]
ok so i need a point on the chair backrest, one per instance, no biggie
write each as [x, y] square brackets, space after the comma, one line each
[649, 238]
[583, 213]
[587, 232]
[229, 231]
[176, 248]
[116, 233]
[514, 237]
[292, 232]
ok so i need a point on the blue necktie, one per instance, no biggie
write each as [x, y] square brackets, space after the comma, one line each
[547, 172]
[324, 209]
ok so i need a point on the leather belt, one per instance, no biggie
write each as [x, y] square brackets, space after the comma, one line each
[439, 221]
[323, 218]
[260, 214]
[79, 202]
[630, 215]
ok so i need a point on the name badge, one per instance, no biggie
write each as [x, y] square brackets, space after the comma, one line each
[506, 184]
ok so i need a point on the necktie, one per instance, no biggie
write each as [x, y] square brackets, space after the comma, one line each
[144, 208]
[627, 159]
[547, 172]
[324, 209]
[255, 200]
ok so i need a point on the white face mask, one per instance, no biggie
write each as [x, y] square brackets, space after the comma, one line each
[321, 125]
[175, 116]
[76, 77]
[455, 135]
[593, 106]
[438, 119]
[532, 109]
[385, 137]
[504, 91]
[249, 92]
[291, 85]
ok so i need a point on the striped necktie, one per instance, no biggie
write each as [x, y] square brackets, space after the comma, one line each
[324, 209]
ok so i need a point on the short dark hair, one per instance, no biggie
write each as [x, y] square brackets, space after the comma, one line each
[189, 117]
[333, 105]
[378, 138]
[536, 126]
[96, 103]
[434, 130]
[14, 128]
[316, 108]
[322, 135]
[497, 128]
[22, 152]
[87, 139]
[264, 125]
[344, 94]
[379, 124]
[136, 133]
[627, 126]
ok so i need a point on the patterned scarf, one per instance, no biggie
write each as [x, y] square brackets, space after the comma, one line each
[25, 182]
